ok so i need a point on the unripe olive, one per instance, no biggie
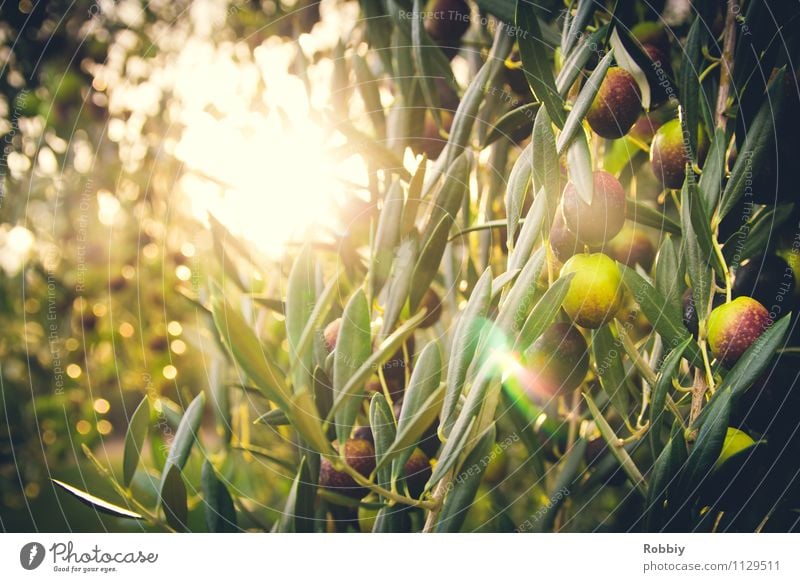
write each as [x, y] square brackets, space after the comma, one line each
[734, 327]
[433, 306]
[601, 220]
[632, 247]
[668, 153]
[595, 293]
[446, 23]
[417, 472]
[331, 334]
[360, 455]
[563, 242]
[651, 33]
[616, 106]
[557, 362]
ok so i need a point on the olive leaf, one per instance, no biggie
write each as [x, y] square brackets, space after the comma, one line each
[384, 432]
[298, 512]
[583, 102]
[519, 183]
[219, 511]
[536, 62]
[173, 499]
[97, 503]
[511, 123]
[465, 485]
[134, 440]
[465, 340]
[300, 300]
[353, 347]
[387, 236]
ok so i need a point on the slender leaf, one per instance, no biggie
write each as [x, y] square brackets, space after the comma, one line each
[219, 511]
[172, 498]
[97, 503]
[134, 440]
[353, 347]
[465, 341]
[536, 62]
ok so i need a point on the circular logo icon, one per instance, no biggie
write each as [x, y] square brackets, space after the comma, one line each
[31, 555]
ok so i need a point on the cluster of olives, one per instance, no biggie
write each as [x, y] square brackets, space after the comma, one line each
[359, 450]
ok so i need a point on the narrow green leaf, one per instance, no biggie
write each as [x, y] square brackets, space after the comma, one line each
[318, 314]
[758, 145]
[385, 351]
[448, 461]
[520, 299]
[698, 255]
[625, 460]
[185, 435]
[579, 163]
[423, 383]
[387, 236]
[300, 300]
[219, 511]
[608, 361]
[627, 62]
[519, 183]
[414, 426]
[546, 170]
[668, 323]
[353, 347]
[430, 257]
[465, 340]
[384, 432]
[370, 94]
[246, 350]
[400, 282]
[307, 422]
[668, 277]
[583, 15]
[646, 216]
[173, 499]
[465, 485]
[511, 123]
[298, 513]
[96, 502]
[583, 102]
[691, 68]
[714, 170]
[708, 445]
[414, 196]
[576, 60]
[669, 370]
[543, 313]
[134, 440]
[567, 474]
[663, 477]
[536, 62]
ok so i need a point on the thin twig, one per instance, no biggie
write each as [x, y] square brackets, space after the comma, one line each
[726, 66]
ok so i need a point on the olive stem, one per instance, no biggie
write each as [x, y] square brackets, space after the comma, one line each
[698, 394]
[396, 497]
[726, 62]
[438, 495]
[674, 409]
[637, 359]
[726, 272]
